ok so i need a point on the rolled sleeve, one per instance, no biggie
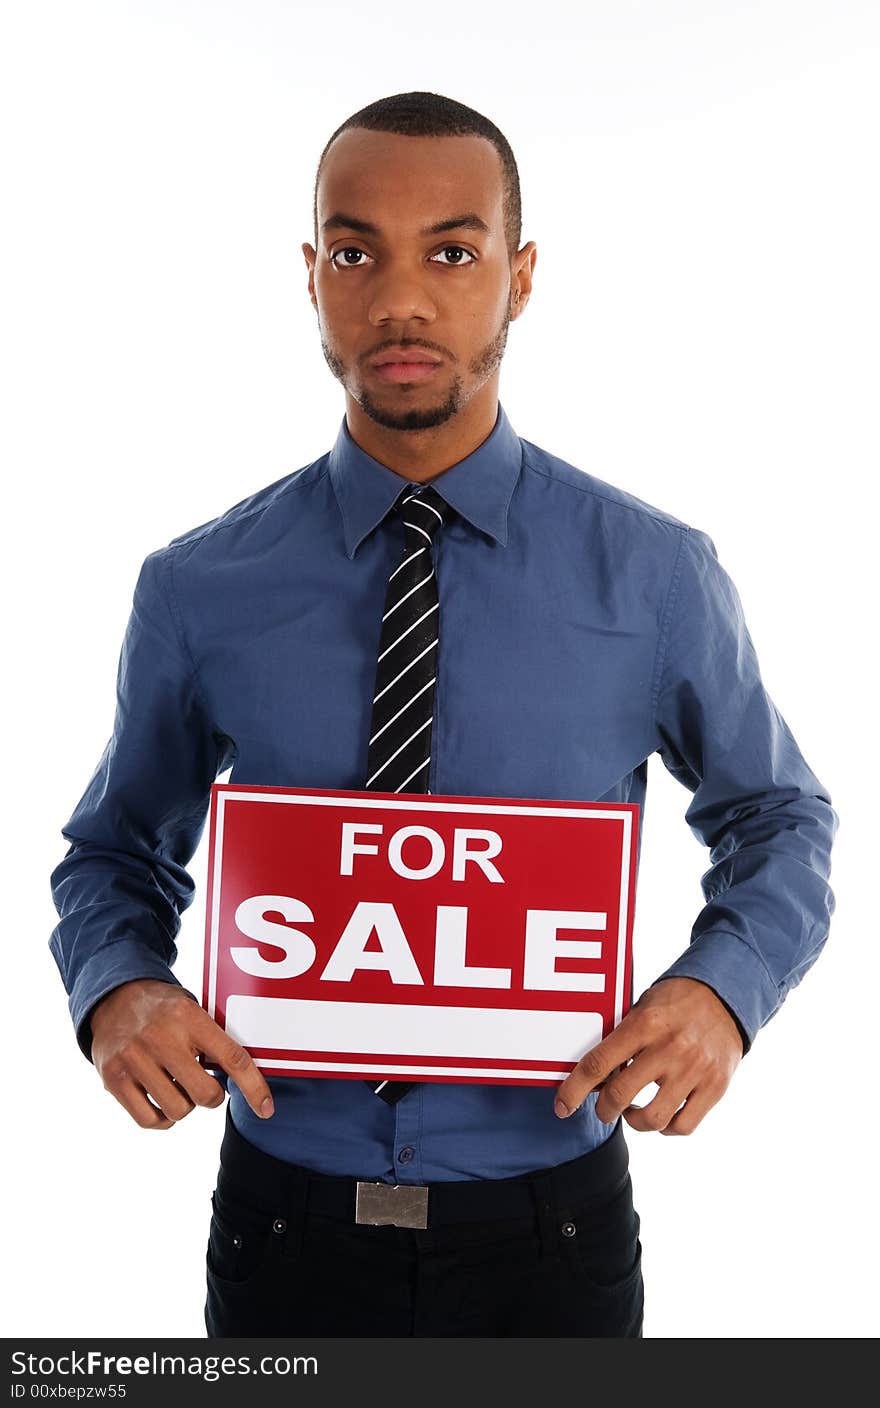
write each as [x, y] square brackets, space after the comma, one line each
[123, 884]
[765, 816]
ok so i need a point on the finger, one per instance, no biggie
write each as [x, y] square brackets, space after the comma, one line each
[133, 1098]
[621, 1089]
[171, 1099]
[597, 1065]
[182, 1059]
[695, 1109]
[240, 1066]
[190, 1075]
[657, 1113]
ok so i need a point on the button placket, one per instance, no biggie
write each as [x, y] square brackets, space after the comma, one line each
[407, 1129]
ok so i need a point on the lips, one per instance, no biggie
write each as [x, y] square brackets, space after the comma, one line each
[405, 371]
[399, 355]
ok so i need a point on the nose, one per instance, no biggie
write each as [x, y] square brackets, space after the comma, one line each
[399, 296]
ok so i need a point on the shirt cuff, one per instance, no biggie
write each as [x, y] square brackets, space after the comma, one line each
[118, 963]
[736, 974]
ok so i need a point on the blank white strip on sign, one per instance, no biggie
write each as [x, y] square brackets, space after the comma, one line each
[300, 1024]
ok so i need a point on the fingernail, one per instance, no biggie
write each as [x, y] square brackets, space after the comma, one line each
[560, 1108]
[267, 1108]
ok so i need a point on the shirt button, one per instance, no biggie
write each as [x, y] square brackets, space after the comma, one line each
[407, 1154]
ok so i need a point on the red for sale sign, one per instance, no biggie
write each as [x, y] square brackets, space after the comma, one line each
[386, 935]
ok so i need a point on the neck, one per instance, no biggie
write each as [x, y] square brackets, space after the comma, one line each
[421, 455]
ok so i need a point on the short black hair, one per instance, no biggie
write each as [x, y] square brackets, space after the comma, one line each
[433, 115]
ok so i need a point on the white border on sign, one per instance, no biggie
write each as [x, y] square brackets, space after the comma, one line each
[223, 798]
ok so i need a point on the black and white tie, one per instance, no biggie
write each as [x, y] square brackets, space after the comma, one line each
[399, 755]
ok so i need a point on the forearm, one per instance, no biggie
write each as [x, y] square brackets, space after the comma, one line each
[768, 908]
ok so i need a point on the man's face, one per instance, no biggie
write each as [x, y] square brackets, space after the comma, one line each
[383, 280]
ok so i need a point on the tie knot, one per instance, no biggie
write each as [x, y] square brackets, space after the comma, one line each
[423, 511]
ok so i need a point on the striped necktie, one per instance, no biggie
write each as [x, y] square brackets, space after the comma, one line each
[403, 699]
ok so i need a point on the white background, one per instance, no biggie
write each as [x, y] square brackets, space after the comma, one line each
[700, 180]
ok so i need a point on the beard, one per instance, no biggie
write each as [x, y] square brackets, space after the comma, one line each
[481, 367]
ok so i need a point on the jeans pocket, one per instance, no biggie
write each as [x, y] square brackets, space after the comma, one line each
[241, 1242]
[600, 1242]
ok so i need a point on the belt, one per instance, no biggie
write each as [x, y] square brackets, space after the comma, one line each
[267, 1182]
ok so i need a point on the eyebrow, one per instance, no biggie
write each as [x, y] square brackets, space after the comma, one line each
[468, 221]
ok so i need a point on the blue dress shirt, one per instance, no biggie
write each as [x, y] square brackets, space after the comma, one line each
[581, 631]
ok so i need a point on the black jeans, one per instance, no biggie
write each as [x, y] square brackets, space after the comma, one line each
[571, 1266]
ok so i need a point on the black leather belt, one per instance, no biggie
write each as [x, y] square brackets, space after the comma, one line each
[267, 1182]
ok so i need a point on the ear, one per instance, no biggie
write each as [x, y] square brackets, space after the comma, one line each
[521, 278]
[311, 258]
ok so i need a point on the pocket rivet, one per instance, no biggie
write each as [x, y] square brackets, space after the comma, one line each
[279, 1225]
[236, 1241]
[568, 1229]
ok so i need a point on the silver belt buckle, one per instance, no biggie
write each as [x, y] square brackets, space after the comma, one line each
[391, 1204]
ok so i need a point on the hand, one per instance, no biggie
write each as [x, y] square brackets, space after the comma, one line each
[679, 1035]
[146, 1038]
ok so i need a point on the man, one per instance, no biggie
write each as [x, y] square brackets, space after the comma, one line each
[560, 632]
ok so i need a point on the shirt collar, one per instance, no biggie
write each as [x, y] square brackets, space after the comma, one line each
[479, 487]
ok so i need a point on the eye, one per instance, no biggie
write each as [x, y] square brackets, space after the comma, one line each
[456, 249]
[348, 249]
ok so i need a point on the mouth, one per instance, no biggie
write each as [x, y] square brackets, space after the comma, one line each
[405, 371]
